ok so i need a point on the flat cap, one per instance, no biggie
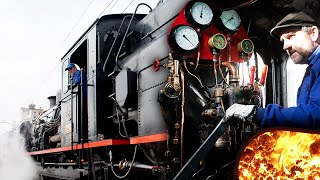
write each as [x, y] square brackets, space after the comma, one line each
[299, 19]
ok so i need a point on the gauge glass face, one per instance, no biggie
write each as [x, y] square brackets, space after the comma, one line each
[247, 46]
[201, 13]
[230, 19]
[218, 41]
[186, 38]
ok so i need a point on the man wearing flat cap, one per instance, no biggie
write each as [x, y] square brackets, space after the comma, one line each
[300, 36]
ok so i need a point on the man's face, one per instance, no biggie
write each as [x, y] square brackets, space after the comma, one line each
[298, 44]
[72, 70]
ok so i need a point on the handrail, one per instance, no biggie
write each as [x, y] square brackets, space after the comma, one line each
[125, 35]
[118, 32]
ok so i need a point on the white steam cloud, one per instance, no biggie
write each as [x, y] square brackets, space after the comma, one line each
[15, 164]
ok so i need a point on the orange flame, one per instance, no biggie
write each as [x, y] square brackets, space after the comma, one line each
[281, 155]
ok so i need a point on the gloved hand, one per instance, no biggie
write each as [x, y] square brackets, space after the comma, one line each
[240, 112]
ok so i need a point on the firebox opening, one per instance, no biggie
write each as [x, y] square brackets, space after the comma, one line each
[280, 154]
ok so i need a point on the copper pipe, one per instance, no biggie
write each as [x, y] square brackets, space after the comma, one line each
[233, 76]
[182, 120]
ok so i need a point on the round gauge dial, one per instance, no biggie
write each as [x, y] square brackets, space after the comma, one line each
[230, 19]
[246, 46]
[218, 41]
[184, 38]
[199, 14]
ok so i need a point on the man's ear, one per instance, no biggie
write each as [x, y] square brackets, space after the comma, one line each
[314, 34]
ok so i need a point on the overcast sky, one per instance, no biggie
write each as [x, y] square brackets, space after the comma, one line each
[35, 34]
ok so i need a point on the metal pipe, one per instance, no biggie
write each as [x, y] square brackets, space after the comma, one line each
[61, 164]
[150, 33]
[257, 66]
[72, 164]
[98, 47]
[233, 73]
[273, 73]
[135, 165]
[71, 114]
[182, 120]
[81, 119]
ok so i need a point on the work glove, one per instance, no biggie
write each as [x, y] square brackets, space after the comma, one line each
[240, 113]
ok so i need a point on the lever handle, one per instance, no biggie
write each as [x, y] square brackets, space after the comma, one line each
[264, 74]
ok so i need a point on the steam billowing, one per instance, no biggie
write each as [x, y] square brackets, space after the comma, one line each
[15, 164]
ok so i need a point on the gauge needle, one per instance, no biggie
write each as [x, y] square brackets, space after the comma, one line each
[187, 39]
[201, 12]
[230, 19]
[216, 40]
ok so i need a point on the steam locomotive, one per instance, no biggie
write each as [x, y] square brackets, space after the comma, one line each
[157, 89]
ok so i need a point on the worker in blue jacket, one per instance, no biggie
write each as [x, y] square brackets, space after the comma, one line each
[77, 77]
[75, 74]
[300, 36]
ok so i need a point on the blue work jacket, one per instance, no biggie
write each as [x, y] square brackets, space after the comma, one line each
[307, 112]
[76, 79]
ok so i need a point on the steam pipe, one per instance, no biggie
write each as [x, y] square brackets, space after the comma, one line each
[182, 121]
[150, 33]
[135, 165]
[233, 76]
[70, 164]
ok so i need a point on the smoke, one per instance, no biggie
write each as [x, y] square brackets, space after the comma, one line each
[15, 164]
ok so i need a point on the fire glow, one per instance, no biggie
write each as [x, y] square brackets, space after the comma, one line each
[281, 155]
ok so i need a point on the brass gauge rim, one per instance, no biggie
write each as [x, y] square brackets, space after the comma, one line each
[213, 38]
[241, 47]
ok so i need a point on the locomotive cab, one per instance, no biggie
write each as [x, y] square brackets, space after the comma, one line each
[92, 113]
[74, 101]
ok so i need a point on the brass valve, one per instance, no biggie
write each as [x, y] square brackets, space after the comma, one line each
[172, 89]
[218, 94]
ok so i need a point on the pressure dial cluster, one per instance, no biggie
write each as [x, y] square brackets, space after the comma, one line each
[184, 38]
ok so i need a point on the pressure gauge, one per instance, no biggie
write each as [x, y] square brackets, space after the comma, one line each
[218, 41]
[231, 20]
[184, 38]
[199, 14]
[246, 46]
